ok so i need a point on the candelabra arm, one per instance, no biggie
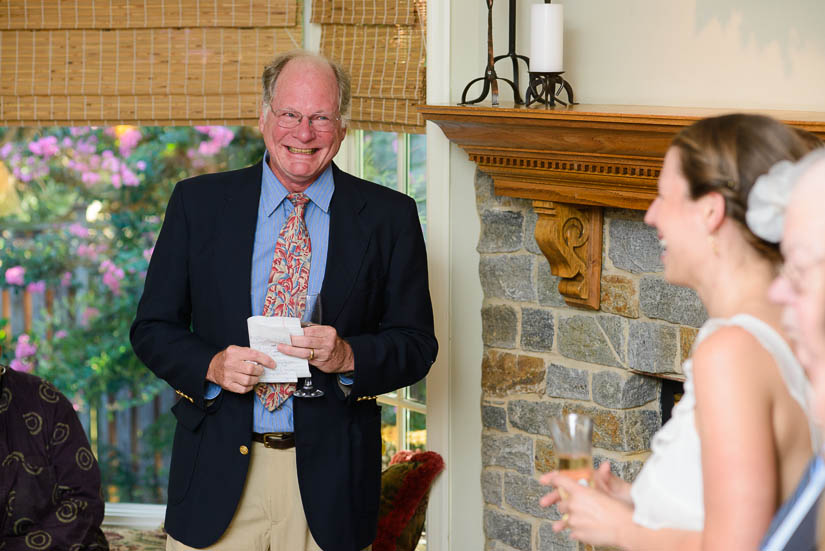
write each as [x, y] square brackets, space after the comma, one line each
[490, 77]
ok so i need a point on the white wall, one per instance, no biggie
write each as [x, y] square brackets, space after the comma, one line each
[454, 384]
[704, 53]
[715, 53]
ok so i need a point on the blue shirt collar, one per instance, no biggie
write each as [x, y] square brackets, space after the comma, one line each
[273, 191]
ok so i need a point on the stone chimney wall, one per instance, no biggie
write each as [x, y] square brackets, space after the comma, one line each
[542, 358]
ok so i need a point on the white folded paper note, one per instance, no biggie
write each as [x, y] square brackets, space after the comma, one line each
[265, 333]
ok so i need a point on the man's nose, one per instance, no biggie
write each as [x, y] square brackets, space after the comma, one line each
[304, 130]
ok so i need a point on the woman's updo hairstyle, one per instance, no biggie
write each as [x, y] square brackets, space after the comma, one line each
[727, 154]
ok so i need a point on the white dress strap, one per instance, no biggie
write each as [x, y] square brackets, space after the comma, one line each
[789, 367]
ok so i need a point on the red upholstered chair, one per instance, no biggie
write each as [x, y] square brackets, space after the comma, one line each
[405, 490]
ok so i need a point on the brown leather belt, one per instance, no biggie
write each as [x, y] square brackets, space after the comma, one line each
[275, 440]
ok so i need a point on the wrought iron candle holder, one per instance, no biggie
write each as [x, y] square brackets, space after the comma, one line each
[490, 77]
[545, 88]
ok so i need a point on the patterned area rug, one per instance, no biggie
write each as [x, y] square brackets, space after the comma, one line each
[127, 539]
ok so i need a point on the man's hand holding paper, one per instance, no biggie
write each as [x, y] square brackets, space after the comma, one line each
[265, 334]
[237, 368]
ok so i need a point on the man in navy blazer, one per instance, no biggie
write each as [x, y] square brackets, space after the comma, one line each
[307, 475]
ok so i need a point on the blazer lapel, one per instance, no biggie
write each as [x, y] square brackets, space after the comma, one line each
[347, 244]
[237, 240]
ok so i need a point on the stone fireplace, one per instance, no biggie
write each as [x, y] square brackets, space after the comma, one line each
[576, 314]
[543, 357]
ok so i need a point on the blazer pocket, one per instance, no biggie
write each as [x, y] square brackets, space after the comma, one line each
[188, 414]
[185, 449]
[366, 457]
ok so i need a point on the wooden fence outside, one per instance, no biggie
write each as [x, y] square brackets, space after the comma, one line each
[107, 428]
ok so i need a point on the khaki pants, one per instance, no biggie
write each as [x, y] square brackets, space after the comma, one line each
[270, 516]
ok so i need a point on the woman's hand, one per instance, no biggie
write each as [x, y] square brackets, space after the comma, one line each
[604, 480]
[592, 516]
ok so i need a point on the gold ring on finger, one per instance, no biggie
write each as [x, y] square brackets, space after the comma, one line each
[311, 354]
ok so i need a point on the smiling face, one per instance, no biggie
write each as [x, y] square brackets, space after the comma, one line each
[800, 287]
[297, 156]
[675, 216]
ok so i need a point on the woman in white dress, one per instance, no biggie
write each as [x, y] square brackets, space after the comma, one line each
[738, 441]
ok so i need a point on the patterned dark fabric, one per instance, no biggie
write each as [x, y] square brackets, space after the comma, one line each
[49, 478]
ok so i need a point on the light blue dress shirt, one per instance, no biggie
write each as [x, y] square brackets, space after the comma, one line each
[273, 210]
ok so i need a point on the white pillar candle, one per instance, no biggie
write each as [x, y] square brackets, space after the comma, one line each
[546, 34]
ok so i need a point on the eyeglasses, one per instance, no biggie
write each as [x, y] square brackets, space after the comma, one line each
[795, 275]
[322, 122]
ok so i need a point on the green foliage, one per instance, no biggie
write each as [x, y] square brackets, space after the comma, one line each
[5, 356]
[380, 154]
[88, 206]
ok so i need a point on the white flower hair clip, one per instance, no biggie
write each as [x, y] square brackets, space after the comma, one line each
[771, 193]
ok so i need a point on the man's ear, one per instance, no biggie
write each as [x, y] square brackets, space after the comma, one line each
[713, 209]
[262, 118]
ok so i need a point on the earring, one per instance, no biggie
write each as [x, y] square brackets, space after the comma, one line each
[713, 246]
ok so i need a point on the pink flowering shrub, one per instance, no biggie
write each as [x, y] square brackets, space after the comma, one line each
[79, 230]
[25, 348]
[24, 354]
[219, 138]
[112, 275]
[37, 287]
[14, 275]
[19, 365]
[92, 200]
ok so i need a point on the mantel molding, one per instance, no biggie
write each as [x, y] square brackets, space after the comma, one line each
[568, 160]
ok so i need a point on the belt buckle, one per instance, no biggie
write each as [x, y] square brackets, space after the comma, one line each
[274, 437]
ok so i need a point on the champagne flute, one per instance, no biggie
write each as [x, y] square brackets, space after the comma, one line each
[312, 316]
[573, 437]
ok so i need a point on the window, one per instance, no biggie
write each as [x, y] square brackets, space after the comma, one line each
[79, 210]
[397, 161]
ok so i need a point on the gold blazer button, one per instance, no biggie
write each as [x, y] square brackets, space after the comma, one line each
[244, 450]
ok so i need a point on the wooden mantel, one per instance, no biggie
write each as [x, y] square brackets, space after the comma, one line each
[573, 161]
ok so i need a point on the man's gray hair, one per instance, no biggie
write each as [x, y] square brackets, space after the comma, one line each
[273, 70]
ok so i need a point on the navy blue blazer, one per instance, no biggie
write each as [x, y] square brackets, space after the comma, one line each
[195, 303]
[794, 526]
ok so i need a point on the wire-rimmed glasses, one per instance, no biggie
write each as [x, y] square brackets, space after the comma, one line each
[321, 122]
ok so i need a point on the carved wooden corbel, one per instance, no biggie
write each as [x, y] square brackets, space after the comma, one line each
[585, 156]
[570, 236]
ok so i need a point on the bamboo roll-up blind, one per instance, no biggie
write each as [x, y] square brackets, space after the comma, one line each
[363, 12]
[151, 62]
[382, 44]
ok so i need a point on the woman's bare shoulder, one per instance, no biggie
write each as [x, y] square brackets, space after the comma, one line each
[733, 355]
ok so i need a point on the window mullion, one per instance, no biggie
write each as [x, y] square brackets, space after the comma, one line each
[401, 422]
[359, 152]
[402, 163]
